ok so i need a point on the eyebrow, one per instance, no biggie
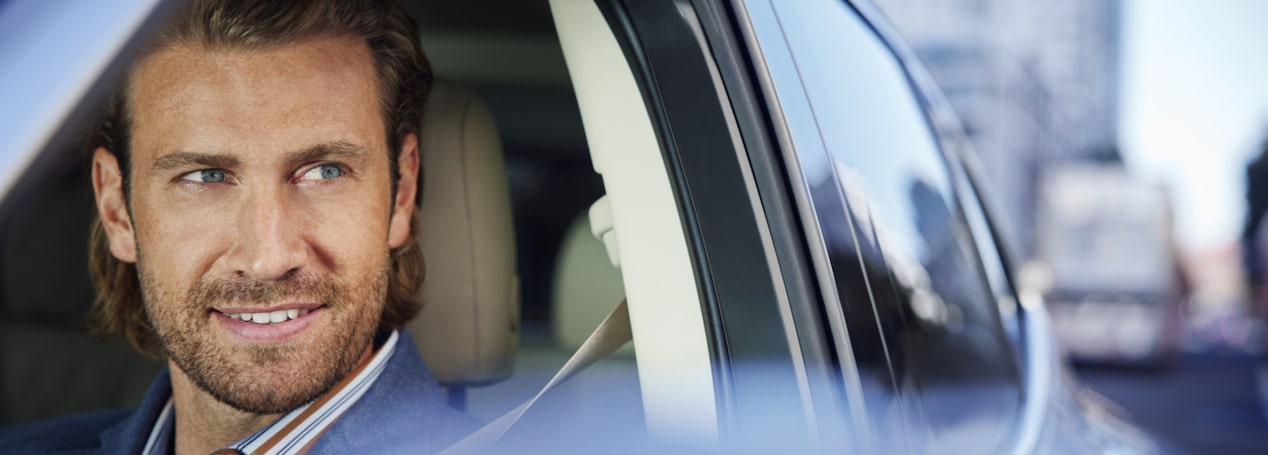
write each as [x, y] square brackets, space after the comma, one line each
[178, 160]
[327, 150]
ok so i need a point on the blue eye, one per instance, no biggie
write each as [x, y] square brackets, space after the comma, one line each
[206, 176]
[330, 171]
[324, 172]
[212, 175]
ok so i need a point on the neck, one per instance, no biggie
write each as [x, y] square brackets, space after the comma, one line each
[205, 424]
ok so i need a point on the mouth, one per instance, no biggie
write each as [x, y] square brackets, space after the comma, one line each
[267, 317]
[271, 324]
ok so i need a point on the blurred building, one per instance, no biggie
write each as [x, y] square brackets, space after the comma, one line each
[1034, 83]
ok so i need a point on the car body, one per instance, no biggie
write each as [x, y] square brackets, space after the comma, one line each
[805, 251]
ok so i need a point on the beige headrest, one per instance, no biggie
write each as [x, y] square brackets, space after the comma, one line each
[469, 325]
[586, 288]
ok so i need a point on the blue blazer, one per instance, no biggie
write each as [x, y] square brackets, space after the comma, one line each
[404, 409]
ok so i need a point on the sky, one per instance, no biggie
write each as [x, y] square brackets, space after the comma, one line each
[1194, 106]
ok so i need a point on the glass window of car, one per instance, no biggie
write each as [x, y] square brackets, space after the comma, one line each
[936, 368]
[993, 261]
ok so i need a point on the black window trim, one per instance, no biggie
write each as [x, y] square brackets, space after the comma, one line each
[734, 203]
[737, 64]
[838, 342]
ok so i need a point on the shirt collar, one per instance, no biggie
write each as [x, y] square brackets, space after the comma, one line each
[295, 431]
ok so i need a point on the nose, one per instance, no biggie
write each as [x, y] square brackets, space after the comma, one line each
[269, 243]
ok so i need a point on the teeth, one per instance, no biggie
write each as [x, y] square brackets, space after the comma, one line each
[271, 317]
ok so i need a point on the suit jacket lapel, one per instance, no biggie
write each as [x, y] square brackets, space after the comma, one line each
[404, 409]
[129, 435]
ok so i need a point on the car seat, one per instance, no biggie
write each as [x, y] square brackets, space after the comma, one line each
[469, 325]
[586, 287]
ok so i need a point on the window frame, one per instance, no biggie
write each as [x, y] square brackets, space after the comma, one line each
[749, 254]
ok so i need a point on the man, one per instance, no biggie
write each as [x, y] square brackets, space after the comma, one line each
[255, 180]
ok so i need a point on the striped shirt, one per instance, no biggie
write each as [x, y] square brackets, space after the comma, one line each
[296, 431]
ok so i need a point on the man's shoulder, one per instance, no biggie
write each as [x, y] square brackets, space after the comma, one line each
[77, 433]
[105, 431]
[404, 408]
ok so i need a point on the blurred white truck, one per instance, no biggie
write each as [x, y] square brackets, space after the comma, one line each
[1117, 290]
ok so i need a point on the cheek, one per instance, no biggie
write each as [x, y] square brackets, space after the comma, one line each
[183, 240]
[344, 232]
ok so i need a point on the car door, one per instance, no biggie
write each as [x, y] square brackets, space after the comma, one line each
[794, 325]
[761, 371]
[848, 287]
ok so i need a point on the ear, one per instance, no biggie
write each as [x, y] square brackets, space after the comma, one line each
[112, 205]
[406, 188]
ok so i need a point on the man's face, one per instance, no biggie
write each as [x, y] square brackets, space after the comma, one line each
[262, 214]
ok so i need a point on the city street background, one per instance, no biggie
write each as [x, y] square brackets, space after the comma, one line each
[1170, 91]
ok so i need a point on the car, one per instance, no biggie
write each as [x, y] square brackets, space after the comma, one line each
[780, 199]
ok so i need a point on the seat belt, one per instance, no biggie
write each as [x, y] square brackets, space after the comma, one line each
[611, 334]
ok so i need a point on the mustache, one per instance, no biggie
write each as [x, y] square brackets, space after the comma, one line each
[305, 288]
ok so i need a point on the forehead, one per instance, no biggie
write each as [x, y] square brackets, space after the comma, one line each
[195, 98]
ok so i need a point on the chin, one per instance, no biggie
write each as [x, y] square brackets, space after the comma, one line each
[273, 379]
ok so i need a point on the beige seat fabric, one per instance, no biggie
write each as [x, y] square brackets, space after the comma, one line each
[586, 287]
[469, 325]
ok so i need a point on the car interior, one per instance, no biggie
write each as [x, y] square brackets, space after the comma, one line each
[515, 278]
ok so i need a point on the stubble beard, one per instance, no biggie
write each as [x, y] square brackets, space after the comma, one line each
[267, 378]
